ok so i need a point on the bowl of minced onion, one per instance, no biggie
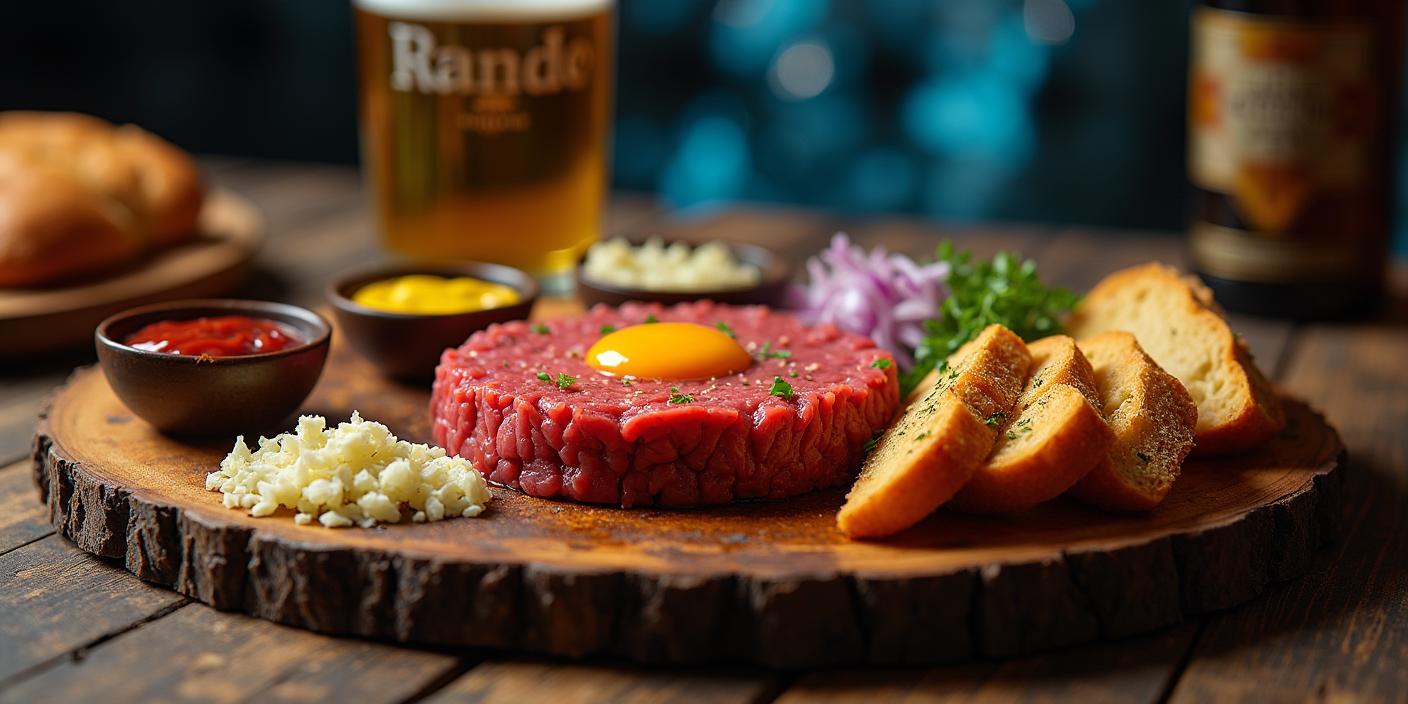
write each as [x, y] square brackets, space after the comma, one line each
[618, 270]
[403, 317]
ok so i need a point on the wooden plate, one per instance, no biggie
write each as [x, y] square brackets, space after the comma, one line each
[765, 582]
[42, 320]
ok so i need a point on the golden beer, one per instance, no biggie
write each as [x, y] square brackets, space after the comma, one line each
[484, 126]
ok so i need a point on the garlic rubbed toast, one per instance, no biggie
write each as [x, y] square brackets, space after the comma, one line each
[1179, 325]
[942, 437]
[1054, 438]
[1153, 418]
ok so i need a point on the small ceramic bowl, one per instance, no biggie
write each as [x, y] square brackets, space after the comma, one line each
[407, 346]
[187, 395]
[771, 289]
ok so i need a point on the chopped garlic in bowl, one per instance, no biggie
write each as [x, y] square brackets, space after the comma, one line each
[355, 474]
[655, 266]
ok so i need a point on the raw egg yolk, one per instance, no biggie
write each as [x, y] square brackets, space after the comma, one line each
[668, 351]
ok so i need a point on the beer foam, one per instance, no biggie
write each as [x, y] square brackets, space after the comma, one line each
[483, 10]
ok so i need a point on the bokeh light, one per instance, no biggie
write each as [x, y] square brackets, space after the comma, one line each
[866, 106]
[802, 70]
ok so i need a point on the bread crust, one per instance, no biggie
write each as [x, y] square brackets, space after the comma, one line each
[913, 486]
[1054, 438]
[1127, 300]
[78, 196]
[941, 438]
[66, 233]
[1153, 419]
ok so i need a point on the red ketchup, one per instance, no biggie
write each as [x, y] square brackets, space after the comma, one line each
[223, 336]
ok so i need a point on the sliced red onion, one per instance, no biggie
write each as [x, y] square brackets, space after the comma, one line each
[887, 297]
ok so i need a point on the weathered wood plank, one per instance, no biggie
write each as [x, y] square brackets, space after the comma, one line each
[1341, 632]
[289, 194]
[1131, 671]
[514, 681]
[24, 387]
[920, 238]
[1085, 256]
[23, 518]
[56, 599]
[199, 654]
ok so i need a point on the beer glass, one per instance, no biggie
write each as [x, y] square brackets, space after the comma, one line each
[484, 127]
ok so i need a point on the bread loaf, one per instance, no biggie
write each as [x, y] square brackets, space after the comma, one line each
[78, 196]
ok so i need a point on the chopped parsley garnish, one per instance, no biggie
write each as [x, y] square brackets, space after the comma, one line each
[994, 419]
[725, 329]
[880, 363]
[922, 435]
[781, 389]
[1003, 290]
[608, 329]
[767, 352]
[625, 381]
[651, 318]
[677, 397]
[563, 381]
[1022, 427]
[540, 329]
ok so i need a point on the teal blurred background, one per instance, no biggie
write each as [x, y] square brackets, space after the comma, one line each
[1055, 111]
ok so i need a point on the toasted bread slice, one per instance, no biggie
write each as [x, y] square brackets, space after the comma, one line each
[1059, 360]
[943, 436]
[1178, 324]
[1153, 418]
[1057, 435]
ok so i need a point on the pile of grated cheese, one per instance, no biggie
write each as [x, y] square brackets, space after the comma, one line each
[355, 474]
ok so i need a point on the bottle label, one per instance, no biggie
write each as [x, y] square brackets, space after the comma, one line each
[1280, 109]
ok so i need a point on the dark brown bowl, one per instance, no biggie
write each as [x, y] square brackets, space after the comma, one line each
[187, 395]
[770, 291]
[406, 346]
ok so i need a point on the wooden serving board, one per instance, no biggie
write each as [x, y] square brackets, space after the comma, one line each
[39, 320]
[772, 583]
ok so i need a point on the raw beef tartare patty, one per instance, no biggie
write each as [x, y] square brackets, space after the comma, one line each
[605, 439]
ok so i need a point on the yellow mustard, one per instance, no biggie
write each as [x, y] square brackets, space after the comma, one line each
[434, 295]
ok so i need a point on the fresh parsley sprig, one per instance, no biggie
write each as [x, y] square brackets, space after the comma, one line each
[781, 389]
[563, 381]
[1004, 290]
[767, 352]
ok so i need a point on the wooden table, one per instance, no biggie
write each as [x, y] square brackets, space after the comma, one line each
[73, 627]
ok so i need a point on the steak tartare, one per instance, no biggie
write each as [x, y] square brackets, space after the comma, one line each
[522, 403]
